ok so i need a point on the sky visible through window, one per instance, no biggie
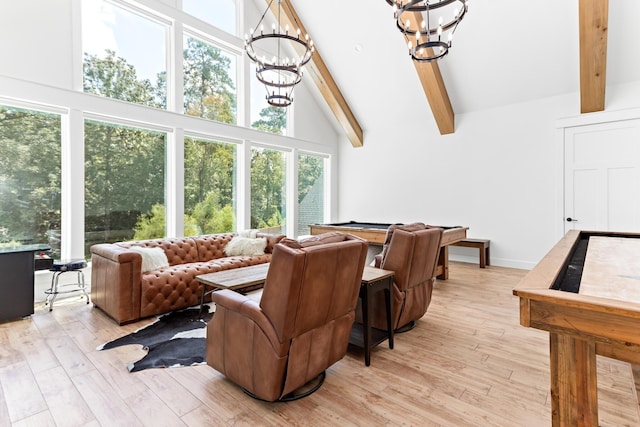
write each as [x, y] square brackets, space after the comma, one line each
[140, 41]
[221, 13]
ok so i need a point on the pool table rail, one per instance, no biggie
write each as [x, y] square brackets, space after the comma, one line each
[375, 234]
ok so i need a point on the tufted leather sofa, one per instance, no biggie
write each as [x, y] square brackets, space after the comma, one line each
[125, 293]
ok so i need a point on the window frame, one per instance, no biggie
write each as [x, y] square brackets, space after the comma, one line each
[74, 106]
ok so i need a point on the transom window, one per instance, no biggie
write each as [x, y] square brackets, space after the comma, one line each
[124, 54]
[221, 13]
[209, 81]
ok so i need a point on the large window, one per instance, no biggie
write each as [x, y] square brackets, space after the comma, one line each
[221, 13]
[268, 189]
[124, 183]
[132, 153]
[124, 54]
[209, 187]
[209, 81]
[264, 116]
[29, 178]
[310, 191]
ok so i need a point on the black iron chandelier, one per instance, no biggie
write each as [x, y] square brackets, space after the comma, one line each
[282, 72]
[428, 39]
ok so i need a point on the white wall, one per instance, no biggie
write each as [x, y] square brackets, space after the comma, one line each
[36, 41]
[498, 174]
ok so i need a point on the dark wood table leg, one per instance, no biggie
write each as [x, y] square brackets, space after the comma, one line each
[366, 326]
[204, 293]
[387, 297]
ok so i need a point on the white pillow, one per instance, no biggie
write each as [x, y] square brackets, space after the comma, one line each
[252, 233]
[245, 246]
[152, 258]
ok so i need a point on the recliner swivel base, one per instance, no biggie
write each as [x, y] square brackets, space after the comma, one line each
[296, 394]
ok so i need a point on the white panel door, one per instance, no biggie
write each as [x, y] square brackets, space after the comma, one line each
[602, 177]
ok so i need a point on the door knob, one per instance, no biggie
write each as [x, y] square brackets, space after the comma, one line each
[571, 219]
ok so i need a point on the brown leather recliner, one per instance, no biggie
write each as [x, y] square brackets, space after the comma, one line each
[301, 325]
[411, 252]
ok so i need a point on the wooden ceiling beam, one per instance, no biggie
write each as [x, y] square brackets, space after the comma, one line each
[593, 17]
[436, 92]
[322, 78]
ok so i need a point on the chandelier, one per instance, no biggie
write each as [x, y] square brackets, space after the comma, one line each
[428, 39]
[282, 72]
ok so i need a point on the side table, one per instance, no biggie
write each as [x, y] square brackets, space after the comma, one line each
[364, 335]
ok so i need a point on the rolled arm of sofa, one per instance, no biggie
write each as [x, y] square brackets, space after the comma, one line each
[272, 239]
[115, 281]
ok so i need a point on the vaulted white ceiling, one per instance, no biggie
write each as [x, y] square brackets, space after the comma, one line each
[504, 52]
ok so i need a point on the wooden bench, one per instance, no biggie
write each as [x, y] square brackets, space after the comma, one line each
[481, 244]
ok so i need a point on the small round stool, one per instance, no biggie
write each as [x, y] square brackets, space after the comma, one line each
[64, 266]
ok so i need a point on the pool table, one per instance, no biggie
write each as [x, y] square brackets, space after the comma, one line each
[375, 233]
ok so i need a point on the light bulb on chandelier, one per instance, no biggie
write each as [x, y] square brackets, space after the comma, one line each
[425, 42]
[282, 73]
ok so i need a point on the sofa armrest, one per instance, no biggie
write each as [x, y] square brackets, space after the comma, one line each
[272, 239]
[115, 281]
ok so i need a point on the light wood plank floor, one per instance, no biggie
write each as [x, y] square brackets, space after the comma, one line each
[467, 363]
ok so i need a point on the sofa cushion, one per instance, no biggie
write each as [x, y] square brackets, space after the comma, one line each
[211, 246]
[245, 246]
[178, 251]
[175, 287]
[152, 258]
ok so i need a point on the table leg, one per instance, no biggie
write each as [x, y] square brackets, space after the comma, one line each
[366, 326]
[204, 292]
[443, 262]
[574, 399]
[483, 257]
[387, 298]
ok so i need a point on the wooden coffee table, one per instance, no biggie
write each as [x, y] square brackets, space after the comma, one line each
[235, 279]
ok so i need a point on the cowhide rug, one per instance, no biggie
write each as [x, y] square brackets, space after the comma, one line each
[175, 339]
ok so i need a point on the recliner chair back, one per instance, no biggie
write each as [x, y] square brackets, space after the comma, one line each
[302, 323]
[310, 296]
[411, 252]
[413, 256]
